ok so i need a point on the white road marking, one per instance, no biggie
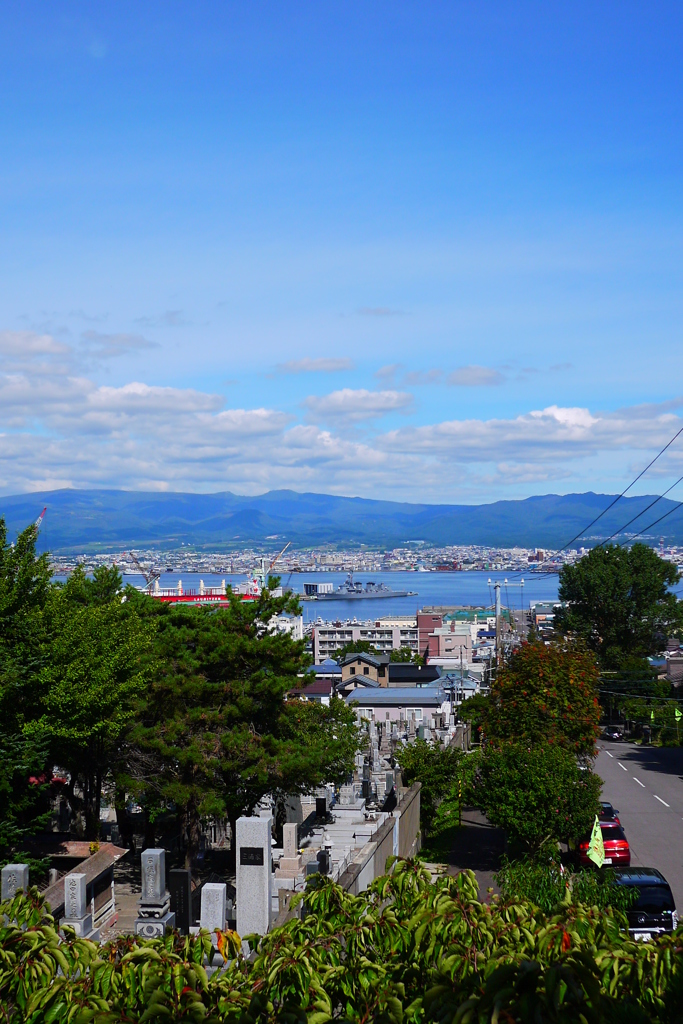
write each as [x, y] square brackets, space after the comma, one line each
[622, 767]
[638, 781]
[661, 801]
[608, 754]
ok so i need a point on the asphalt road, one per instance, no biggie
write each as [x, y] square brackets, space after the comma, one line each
[646, 785]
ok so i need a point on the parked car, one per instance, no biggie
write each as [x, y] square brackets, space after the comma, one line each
[611, 733]
[617, 850]
[608, 813]
[654, 911]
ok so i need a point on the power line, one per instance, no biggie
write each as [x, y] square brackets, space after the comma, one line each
[642, 473]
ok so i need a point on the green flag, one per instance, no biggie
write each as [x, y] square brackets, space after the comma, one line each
[596, 847]
[677, 714]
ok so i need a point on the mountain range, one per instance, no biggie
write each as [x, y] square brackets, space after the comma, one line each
[108, 520]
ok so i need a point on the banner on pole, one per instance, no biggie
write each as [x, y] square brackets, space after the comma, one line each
[596, 847]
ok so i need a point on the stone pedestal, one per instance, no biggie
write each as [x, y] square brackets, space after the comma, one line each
[14, 876]
[76, 908]
[154, 906]
[253, 875]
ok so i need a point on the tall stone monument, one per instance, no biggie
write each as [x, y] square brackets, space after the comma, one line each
[180, 888]
[253, 875]
[154, 906]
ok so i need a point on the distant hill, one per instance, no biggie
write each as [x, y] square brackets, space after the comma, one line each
[110, 520]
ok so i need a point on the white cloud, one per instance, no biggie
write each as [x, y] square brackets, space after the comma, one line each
[61, 428]
[357, 405]
[29, 343]
[315, 366]
[475, 377]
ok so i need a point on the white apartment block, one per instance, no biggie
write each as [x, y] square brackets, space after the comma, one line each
[385, 634]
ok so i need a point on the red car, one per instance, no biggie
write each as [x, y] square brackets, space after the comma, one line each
[617, 850]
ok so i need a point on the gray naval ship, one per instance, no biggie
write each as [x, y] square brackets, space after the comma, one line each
[350, 590]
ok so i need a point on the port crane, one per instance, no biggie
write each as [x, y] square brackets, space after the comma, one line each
[39, 521]
[150, 575]
[261, 574]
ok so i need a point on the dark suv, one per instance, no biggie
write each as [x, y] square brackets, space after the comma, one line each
[654, 911]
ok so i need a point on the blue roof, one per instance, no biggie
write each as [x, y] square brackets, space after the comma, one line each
[398, 695]
[328, 667]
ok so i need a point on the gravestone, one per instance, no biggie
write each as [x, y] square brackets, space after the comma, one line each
[290, 862]
[321, 807]
[253, 875]
[180, 888]
[154, 906]
[14, 876]
[76, 907]
[214, 907]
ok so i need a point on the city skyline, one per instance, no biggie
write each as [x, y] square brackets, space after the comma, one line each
[422, 254]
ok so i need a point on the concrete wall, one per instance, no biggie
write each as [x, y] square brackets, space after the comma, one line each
[408, 813]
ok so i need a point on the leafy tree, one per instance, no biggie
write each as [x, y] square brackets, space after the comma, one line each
[546, 694]
[356, 647]
[404, 949]
[475, 710]
[538, 794]
[24, 793]
[215, 731]
[436, 767]
[24, 588]
[619, 602]
[548, 886]
[96, 666]
[405, 655]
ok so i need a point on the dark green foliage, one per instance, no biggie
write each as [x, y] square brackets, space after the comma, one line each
[619, 602]
[475, 710]
[539, 795]
[548, 886]
[405, 950]
[214, 730]
[437, 768]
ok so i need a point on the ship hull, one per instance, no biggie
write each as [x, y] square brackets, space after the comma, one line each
[335, 596]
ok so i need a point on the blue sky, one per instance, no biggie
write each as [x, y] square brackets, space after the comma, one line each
[429, 251]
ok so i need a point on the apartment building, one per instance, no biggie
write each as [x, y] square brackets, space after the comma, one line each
[384, 634]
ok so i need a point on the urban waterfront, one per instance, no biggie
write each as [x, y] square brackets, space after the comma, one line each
[433, 589]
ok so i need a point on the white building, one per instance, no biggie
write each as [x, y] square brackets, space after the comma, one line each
[384, 634]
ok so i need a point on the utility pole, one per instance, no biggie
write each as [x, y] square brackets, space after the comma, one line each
[496, 587]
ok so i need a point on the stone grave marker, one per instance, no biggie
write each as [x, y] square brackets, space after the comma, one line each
[14, 876]
[254, 860]
[154, 906]
[180, 888]
[214, 906]
[76, 907]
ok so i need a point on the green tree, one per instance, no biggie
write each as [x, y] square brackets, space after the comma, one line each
[619, 602]
[24, 760]
[546, 694]
[96, 666]
[475, 710]
[436, 768]
[405, 655]
[538, 794]
[215, 731]
[356, 647]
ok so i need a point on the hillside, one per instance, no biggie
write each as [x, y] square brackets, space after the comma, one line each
[109, 520]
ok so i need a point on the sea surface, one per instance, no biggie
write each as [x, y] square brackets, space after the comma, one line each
[430, 588]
